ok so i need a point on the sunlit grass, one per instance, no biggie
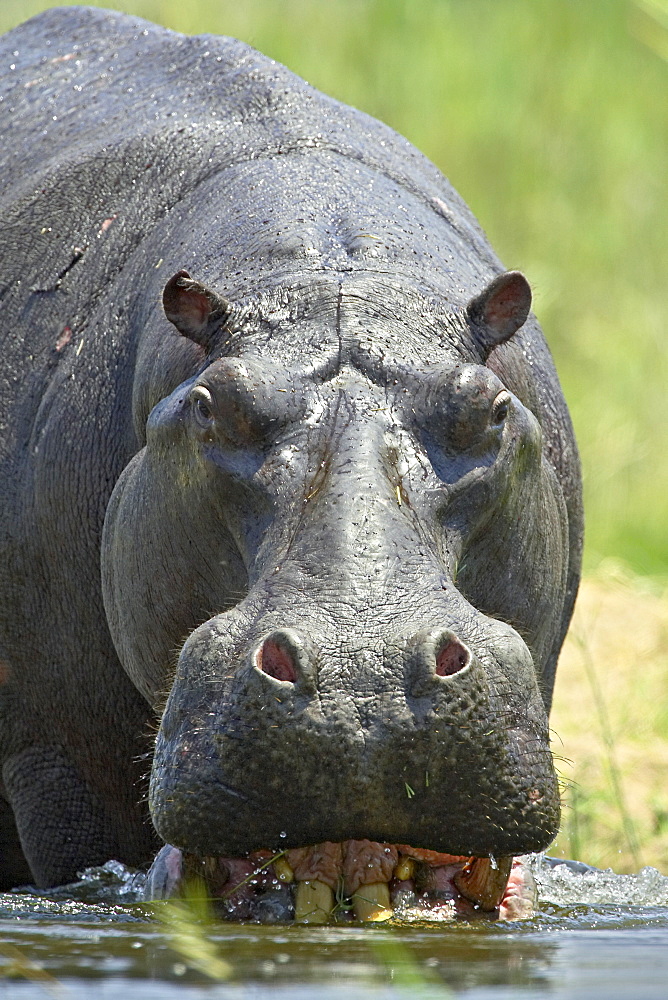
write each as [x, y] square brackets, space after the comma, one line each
[610, 724]
[409, 979]
[16, 965]
[187, 923]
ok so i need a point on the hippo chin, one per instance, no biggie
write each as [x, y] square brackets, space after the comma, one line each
[285, 466]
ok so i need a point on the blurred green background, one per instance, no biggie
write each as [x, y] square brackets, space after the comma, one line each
[551, 119]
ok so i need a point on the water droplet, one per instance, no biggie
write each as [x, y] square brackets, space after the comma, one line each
[493, 862]
[283, 834]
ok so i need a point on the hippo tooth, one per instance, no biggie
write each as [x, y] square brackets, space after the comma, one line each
[283, 871]
[372, 902]
[483, 883]
[405, 868]
[521, 895]
[314, 902]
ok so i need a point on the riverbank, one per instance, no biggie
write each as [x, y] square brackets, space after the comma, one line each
[610, 724]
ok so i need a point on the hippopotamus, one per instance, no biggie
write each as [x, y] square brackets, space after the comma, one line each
[291, 510]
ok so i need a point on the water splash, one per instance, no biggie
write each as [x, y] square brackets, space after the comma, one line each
[565, 885]
[570, 883]
[111, 882]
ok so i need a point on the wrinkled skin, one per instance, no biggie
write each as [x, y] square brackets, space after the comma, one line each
[316, 508]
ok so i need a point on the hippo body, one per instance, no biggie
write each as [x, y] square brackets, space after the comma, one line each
[285, 467]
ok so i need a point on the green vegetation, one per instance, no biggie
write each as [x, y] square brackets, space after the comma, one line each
[187, 924]
[551, 119]
[610, 724]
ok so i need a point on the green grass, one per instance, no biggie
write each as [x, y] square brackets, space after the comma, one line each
[610, 724]
[551, 118]
[188, 924]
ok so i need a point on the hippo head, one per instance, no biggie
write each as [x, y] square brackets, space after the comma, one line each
[337, 567]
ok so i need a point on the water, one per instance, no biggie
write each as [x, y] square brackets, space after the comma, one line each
[595, 935]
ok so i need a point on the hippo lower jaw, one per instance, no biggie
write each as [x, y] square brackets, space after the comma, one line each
[358, 879]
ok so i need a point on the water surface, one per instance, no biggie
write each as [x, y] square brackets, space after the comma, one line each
[595, 935]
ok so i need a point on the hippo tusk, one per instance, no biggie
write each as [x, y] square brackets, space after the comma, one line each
[484, 882]
[314, 902]
[405, 868]
[371, 903]
[283, 871]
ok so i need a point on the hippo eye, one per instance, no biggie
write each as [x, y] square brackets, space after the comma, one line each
[202, 406]
[500, 408]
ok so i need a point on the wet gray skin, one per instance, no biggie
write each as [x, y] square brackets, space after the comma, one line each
[330, 479]
[366, 515]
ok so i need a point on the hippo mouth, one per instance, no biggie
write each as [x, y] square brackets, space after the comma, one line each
[358, 880]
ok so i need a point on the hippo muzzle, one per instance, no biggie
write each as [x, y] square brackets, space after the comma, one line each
[304, 743]
[377, 547]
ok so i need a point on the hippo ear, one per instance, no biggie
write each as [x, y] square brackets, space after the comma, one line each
[196, 311]
[499, 310]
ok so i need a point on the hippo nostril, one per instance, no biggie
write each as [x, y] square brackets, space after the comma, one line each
[451, 658]
[274, 659]
[437, 656]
